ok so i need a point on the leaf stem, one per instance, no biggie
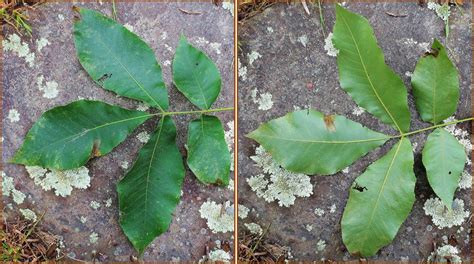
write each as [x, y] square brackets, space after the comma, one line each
[321, 18]
[215, 110]
[433, 127]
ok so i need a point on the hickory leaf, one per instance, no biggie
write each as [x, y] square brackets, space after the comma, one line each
[306, 141]
[66, 137]
[435, 85]
[382, 197]
[379, 201]
[444, 158]
[118, 60]
[206, 139]
[364, 74]
[195, 75]
[150, 191]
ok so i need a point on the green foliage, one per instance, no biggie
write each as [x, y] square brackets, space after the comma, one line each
[364, 74]
[66, 137]
[101, 44]
[195, 75]
[443, 158]
[297, 138]
[83, 128]
[434, 80]
[150, 191]
[382, 197]
[206, 139]
[379, 201]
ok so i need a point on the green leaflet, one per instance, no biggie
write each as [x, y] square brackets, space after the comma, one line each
[119, 60]
[195, 75]
[379, 201]
[364, 74]
[208, 154]
[66, 137]
[306, 141]
[444, 158]
[150, 191]
[435, 85]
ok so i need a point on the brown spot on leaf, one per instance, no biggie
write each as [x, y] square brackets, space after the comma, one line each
[329, 122]
[96, 149]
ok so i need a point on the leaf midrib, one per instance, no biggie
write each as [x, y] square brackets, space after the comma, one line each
[367, 74]
[383, 185]
[149, 169]
[327, 142]
[87, 131]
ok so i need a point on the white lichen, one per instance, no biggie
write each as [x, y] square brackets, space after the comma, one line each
[319, 212]
[28, 214]
[167, 63]
[231, 184]
[254, 228]
[442, 216]
[444, 254]
[83, 219]
[62, 182]
[465, 182]
[108, 202]
[60, 17]
[228, 5]
[264, 101]
[220, 217]
[8, 189]
[253, 56]
[14, 44]
[129, 27]
[242, 70]
[93, 238]
[442, 11]
[332, 209]
[358, 111]
[329, 46]
[243, 211]
[308, 227]
[41, 43]
[49, 89]
[143, 137]
[303, 40]
[270, 29]
[13, 115]
[229, 139]
[321, 245]
[124, 165]
[283, 186]
[94, 205]
[142, 107]
[216, 47]
[219, 255]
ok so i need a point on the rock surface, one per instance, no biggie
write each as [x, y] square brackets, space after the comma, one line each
[296, 70]
[160, 25]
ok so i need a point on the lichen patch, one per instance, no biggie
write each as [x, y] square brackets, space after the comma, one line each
[282, 186]
[63, 182]
[14, 44]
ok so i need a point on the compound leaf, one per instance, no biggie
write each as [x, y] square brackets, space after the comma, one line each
[118, 60]
[444, 158]
[435, 85]
[150, 191]
[308, 142]
[379, 201]
[66, 137]
[208, 154]
[195, 75]
[364, 74]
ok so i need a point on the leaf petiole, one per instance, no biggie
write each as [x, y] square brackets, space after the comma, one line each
[215, 110]
[432, 127]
